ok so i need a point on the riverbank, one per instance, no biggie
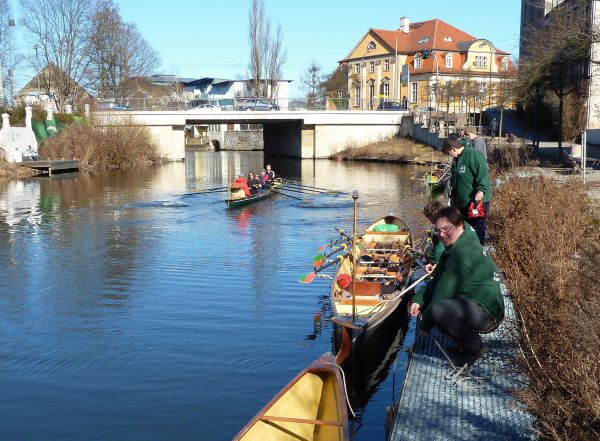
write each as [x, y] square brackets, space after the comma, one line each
[12, 171]
[393, 150]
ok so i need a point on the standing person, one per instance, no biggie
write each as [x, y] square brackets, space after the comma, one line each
[463, 298]
[404, 103]
[270, 173]
[477, 141]
[470, 182]
[493, 127]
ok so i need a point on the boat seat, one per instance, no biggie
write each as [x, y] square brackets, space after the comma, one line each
[360, 302]
[366, 288]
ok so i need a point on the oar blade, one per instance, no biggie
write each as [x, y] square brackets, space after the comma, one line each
[318, 260]
[307, 278]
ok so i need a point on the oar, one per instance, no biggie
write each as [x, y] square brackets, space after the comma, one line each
[299, 184]
[314, 189]
[293, 197]
[208, 190]
[311, 276]
[342, 233]
[330, 244]
[288, 188]
[320, 258]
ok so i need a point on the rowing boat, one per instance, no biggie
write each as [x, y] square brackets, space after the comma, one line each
[311, 407]
[237, 196]
[383, 272]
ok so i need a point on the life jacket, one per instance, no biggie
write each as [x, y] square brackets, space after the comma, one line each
[243, 183]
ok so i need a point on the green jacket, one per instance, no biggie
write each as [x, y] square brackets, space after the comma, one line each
[465, 142]
[469, 174]
[439, 246]
[465, 271]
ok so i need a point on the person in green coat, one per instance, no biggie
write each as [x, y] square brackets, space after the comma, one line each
[470, 182]
[463, 298]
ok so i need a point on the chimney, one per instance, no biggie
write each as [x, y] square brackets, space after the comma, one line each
[404, 24]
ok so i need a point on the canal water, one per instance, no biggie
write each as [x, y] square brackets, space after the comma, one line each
[132, 310]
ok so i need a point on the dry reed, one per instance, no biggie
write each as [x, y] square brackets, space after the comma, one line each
[117, 146]
[393, 149]
[548, 248]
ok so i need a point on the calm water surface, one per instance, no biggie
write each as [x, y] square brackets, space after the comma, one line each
[131, 311]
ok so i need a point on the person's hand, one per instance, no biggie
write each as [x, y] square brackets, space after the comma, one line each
[424, 333]
[415, 309]
[429, 267]
[478, 196]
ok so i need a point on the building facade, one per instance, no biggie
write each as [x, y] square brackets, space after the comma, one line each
[428, 64]
[536, 14]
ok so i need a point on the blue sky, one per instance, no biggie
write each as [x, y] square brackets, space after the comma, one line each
[209, 37]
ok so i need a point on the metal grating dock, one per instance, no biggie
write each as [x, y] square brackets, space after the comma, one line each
[431, 407]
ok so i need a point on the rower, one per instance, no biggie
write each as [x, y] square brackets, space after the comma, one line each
[270, 173]
[253, 183]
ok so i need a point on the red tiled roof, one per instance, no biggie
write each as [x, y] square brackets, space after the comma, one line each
[435, 31]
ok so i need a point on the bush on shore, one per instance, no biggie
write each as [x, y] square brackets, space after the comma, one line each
[102, 147]
[548, 248]
[393, 149]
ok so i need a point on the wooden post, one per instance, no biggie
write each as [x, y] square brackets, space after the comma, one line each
[355, 197]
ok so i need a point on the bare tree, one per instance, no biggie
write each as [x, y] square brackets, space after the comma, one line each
[119, 54]
[267, 54]
[60, 29]
[312, 81]
[7, 59]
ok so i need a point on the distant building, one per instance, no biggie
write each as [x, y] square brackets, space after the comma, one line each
[41, 90]
[223, 92]
[416, 64]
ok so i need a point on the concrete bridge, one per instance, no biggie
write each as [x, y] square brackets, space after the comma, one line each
[300, 134]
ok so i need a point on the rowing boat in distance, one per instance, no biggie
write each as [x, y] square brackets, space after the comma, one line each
[311, 407]
[237, 196]
[383, 272]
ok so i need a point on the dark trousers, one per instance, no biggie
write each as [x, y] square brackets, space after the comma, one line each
[462, 319]
[479, 224]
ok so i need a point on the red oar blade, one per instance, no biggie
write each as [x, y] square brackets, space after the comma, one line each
[307, 278]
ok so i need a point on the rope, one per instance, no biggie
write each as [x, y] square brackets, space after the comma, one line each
[460, 375]
[345, 387]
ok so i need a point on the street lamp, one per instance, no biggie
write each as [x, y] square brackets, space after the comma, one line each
[36, 47]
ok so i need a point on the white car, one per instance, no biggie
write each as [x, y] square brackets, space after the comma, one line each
[208, 107]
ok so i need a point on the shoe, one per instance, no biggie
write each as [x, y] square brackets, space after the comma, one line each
[469, 358]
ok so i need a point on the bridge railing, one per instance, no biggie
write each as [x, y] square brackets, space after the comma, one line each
[241, 103]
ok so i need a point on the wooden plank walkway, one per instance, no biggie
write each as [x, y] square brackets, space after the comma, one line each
[52, 166]
[433, 407]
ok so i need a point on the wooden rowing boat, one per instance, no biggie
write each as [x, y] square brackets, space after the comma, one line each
[311, 407]
[383, 271]
[237, 196]
[436, 180]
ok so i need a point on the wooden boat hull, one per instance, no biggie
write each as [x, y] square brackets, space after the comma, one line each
[311, 407]
[378, 285]
[237, 196]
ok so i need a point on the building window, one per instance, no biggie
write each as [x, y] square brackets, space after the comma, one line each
[414, 92]
[386, 65]
[449, 61]
[357, 68]
[418, 63]
[504, 64]
[371, 66]
[480, 61]
[386, 92]
[357, 96]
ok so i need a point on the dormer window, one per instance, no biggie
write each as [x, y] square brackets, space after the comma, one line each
[449, 61]
[448, 39]
[417, 62]
[504, 64]
[423, 40]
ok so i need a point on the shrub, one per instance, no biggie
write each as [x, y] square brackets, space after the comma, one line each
[548, 248]
[102, 147]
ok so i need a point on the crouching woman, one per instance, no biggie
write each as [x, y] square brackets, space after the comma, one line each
[463, 298]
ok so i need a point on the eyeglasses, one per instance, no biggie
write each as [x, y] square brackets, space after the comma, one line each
[444, 230]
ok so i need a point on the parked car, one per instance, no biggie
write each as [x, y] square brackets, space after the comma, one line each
[255, 104]
[425, 109]
[389, 105]
[115, 107]
[209, 107]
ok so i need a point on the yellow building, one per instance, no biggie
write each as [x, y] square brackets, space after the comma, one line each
[426, 64]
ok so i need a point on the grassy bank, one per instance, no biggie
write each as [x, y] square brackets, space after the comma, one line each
[102, 147]
[392, 150]
[8, 170]
[548, 248]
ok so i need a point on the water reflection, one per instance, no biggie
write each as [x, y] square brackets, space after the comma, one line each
[162, 312]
